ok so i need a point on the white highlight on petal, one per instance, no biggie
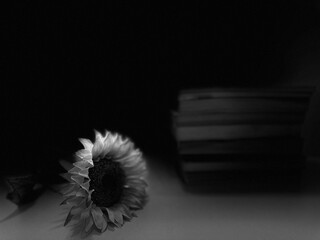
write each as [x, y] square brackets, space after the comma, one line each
[97, 146]
[87, 144]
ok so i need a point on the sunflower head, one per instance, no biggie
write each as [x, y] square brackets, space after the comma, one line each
[107, 184]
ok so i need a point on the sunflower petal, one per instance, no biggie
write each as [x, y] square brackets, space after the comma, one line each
[73, 192]
[83, 164]
[98, 219]
[123, 149]
[74, 170]
[126, 212]
[84, 173]
[87, 144]
[76, 201]
[66, 190]
[68, 219]
[66, 176]
[81, 193]
[97, 149]
[134, 214]
[137, 182]
[98, 145]
[83, 152]
[136, 162]
[73, 211]
[132, 204]
[111, 216]
[89, 224]
[65, 201]
[111, 227]
[85, 186]
[85, 234]
[77, 179]
[109, 140]
[84, 155]
[85, 213]
[65, 164]
[117, 214]
[104, 223]
[130, 156]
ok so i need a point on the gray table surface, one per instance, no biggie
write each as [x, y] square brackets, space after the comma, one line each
[173, 213]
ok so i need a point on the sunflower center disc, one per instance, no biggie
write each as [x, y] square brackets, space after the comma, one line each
[107, 180]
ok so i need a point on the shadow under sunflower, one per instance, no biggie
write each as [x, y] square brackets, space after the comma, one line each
[107, 184]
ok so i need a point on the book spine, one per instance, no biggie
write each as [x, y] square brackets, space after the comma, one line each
[245, 131]
[188, 119]
[243, 158]
[193, 94]
[230, 166]
[267, 146]
[210, 95]
[242, 106]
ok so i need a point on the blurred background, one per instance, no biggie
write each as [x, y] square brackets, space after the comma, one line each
[71, 67]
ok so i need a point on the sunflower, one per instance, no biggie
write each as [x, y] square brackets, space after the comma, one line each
[106, 184]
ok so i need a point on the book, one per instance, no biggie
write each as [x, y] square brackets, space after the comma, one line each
[267, 159]
[207, 93]
[237, 131]
[243, 105]
[244, 180]
[214, 166]
[194, 119]
[230, 169]
[240, 136]
[268, 146]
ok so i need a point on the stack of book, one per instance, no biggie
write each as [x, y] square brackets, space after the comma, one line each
[240, 138]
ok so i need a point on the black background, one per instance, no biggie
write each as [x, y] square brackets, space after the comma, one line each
[75, 66]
